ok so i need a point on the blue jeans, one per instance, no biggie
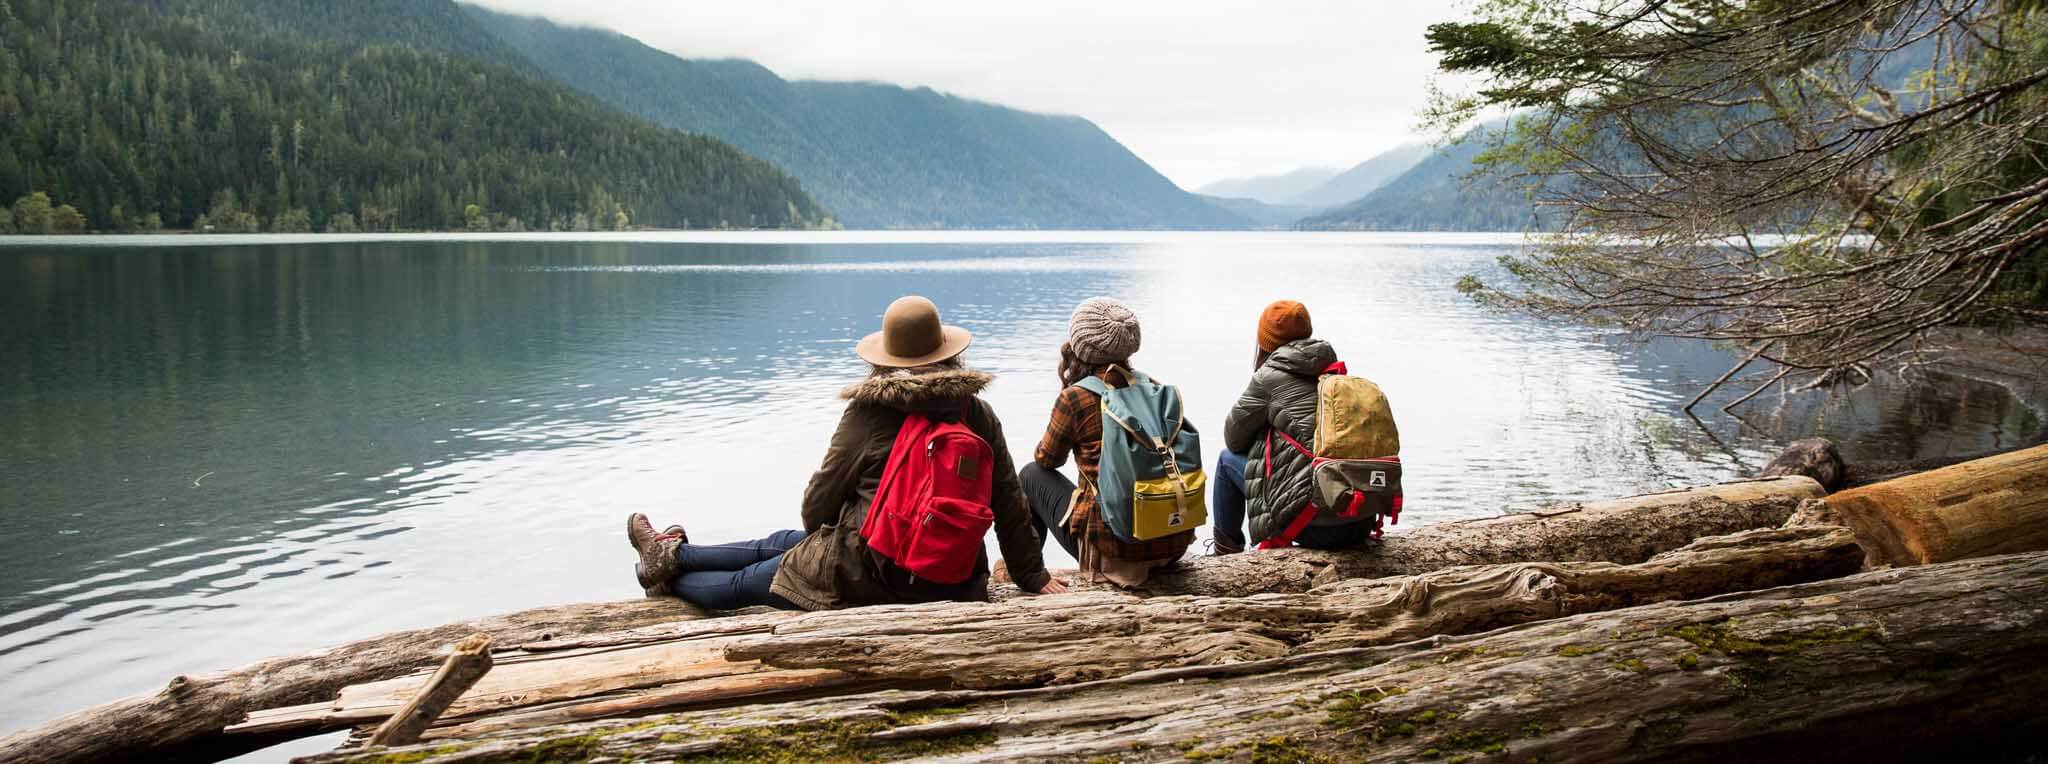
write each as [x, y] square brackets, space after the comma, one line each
[1226, 500]
[1227, 510]
[735, 575]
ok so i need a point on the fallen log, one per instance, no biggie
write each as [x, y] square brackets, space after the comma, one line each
[1623, 531]
[469, 662]
[1049, 640]
[1983, 507]
[184, 720]
[1078, 637]
[187, 718]
[1940, 660]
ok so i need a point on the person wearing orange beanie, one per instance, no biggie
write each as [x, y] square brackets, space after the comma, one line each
[1282, 322]
[1281, 398]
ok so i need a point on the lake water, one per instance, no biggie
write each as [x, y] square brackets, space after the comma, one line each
[214, 450]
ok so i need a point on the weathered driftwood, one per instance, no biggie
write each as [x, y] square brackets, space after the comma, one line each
[1900, 663]
[1983, 507]
[184, 719]
[469, 661]
[1077, 637]
[188, 717]
[1625, 531]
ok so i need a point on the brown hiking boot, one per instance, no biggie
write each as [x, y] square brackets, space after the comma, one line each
[658, 567]
[1219, 547]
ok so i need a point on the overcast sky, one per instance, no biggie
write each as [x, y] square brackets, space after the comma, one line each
[1202, 89]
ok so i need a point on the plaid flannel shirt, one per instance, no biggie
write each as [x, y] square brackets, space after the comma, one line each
[1076, 428]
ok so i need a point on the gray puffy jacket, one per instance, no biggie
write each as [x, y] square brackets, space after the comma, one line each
[1282, 395]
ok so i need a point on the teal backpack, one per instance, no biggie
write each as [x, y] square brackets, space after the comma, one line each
[1149, 482]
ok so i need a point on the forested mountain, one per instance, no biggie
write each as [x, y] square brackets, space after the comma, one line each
[1439, 194]
[1271, 189]
[876, 155]
[425, 24]
[138, 112]
[1363, 178]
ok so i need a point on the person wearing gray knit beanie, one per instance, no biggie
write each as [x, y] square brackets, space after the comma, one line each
[1103, 331]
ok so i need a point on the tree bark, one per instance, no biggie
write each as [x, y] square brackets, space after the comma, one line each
[1939, 660]
[1984, 507]
[183, 721]
[470, 661]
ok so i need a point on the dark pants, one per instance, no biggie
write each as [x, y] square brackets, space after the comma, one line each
[1227, 508]
[1343, 536]
[735, 575]
[1048, 492]
[1226, 501]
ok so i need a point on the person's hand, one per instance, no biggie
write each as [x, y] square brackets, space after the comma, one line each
[1053, 585]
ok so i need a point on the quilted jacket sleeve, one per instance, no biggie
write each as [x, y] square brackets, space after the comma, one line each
[1248, 418]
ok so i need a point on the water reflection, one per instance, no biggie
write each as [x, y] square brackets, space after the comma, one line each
[215, 453]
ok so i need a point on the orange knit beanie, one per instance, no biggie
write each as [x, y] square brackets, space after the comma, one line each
[1283, 322]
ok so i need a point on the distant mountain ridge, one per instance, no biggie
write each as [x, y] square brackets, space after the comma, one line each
[1277, 190]
[1362, 178]
[876, 155]
[1261, 214]
[1440, 194]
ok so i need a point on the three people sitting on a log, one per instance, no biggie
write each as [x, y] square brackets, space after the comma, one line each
[918, 473]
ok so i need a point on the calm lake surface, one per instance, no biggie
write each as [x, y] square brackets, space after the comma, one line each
[215, 450]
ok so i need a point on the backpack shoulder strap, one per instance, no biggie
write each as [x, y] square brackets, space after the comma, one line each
[1094, 385]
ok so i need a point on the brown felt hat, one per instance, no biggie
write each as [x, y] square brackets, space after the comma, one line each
[1283, 322]
[911, 335]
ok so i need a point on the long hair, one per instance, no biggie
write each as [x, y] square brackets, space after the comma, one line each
[1073, 369]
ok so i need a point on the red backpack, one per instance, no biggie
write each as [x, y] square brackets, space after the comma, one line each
[932, 507]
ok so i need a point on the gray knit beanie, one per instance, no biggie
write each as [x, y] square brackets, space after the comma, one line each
[1103, 331]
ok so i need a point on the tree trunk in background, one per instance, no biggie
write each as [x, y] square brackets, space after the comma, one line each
[1984, 507]
[1940, 660]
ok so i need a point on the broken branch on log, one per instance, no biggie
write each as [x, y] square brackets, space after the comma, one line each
[469, 662]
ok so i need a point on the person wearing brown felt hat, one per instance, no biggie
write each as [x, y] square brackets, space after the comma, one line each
[914, 371]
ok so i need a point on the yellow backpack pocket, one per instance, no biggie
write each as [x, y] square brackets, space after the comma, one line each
[1168, 505]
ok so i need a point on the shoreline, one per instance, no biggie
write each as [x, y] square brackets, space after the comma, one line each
[2016, 360]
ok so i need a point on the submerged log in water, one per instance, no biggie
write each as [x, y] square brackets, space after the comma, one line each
[1941, 659]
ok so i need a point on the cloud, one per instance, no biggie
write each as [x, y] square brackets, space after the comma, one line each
[1202, 90]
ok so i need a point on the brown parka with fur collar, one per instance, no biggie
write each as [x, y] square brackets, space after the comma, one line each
[832, 567]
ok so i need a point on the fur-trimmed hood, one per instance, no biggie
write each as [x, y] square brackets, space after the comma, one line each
[911, 389]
